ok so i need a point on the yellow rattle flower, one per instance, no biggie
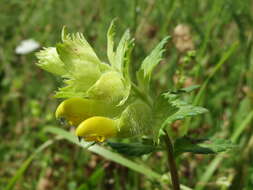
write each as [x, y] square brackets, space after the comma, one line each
[97, 129]
[75, 110]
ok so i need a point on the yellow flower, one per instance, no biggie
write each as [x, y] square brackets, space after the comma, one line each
[97, 129]
[75, 110]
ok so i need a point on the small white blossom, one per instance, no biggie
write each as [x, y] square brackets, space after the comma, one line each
[27, 46]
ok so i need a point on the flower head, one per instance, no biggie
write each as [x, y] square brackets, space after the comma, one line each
[102, 101]
[83, 73]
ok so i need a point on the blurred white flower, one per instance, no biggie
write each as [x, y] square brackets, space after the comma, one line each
[27, 46]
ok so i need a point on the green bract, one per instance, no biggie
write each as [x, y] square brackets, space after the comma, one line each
[83, 73]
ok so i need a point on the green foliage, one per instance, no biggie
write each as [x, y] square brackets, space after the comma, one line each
[121, 50]
[184, 110]
[110, 43]
[202, 146]
[20, 172]
[133, 149]
[145, 72]
[120, 59]
[170, 108]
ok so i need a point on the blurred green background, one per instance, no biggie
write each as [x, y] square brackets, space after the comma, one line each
[220, 32]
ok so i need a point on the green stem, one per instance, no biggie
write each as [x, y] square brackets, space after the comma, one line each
[171, 162]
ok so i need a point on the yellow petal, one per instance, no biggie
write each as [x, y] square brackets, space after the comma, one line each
[97, 129]
[75, 110]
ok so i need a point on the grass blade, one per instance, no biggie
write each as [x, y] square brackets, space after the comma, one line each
[26, 164]
[218, 159]
[200, 94]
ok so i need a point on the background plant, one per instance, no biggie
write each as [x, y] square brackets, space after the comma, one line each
[221, 32]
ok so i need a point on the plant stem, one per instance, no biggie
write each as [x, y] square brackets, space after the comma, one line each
[171, 162]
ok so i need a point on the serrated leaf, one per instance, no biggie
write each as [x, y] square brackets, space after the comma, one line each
[120, 60]
[133, 149]
[202, 146]
[177, 110]
[110, 42]
[121, 51]
[190, 88]
[162, 110]
[185, 90]
[184, 112]
[126, 72]
[149, 63]
[50, 61]
[154, 58]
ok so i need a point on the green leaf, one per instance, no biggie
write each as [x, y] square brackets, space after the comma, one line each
[185, 111]
[162, 110]
[169, 109]
[149, 63]
[120, 60]
[110, 42]
[121, 51]
[126, 72]
[49, 60]
[133, 149]
[185, 90]
[202, 146]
